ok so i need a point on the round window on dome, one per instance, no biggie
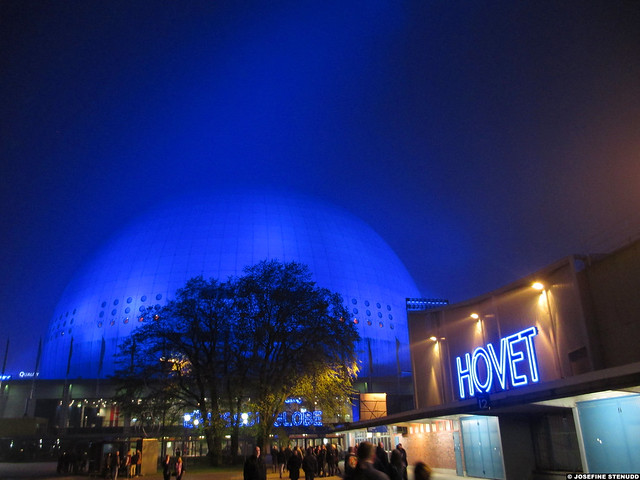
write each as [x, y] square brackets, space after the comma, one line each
[159, 296]
[129, 300]
[354, 301]
[366, 303]
[143, 298]
[368, 313]
[104, 304]
[355, 310]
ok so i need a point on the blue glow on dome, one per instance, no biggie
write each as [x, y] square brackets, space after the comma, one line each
[217, 236]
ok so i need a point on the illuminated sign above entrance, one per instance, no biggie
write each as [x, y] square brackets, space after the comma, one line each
[515, 366]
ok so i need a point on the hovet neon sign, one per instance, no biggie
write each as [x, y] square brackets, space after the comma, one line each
[479, 371]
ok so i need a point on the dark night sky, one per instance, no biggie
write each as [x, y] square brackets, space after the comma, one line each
[482, 140]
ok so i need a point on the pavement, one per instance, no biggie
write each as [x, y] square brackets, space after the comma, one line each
[47, 471]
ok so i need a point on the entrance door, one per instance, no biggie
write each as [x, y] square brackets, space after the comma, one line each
[458, 452]
[482, 447]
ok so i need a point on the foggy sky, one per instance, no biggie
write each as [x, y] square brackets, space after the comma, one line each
[481, 140]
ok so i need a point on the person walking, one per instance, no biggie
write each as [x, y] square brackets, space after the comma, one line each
[322, 461]
[138, 463]
[350, 462]
[282, 460]
[381, 461]
[405, 462]
[133, 466]
[166, 467]
[254, 467]
[294, 464]
[115, 465]
[309, 465]
[395, 465]
[422, 471]
[274, 458]
[364, 469]
[179, 468]
[126, 465]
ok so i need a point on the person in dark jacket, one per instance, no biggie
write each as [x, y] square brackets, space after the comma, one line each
[350, 462]
[396, 467]
[254, 467]
[364, 469]
[381, 459]
[294, 464]
[282, 461]
[166, 467]
[405, 462]
[309, 465]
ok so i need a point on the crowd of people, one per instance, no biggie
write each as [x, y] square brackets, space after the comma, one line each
[362, 463]
[124, 466]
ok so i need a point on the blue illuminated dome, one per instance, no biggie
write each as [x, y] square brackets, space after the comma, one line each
[217, 236]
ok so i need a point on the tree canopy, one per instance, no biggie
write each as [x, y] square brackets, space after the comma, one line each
[245, 343]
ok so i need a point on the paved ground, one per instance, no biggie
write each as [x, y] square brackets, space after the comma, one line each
[47, 471]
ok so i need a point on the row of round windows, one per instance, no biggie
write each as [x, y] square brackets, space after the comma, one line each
[116, 302]
[114, 312]
[368, 312]
[367, 304]
[370, 323]
[143, 299]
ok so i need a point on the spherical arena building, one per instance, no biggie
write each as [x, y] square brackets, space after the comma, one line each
[216, 236]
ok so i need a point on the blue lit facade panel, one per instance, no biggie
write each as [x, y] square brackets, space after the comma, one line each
[217, 237]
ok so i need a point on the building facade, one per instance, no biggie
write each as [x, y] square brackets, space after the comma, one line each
[534, 380]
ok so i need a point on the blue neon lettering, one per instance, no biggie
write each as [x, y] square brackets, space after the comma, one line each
[514, 350]
[249, 419]
[528, 335]
[499, 366]
[464, 374]
[477, 354]
[517, 380]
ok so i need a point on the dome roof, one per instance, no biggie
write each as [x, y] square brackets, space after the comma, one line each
[217, 236]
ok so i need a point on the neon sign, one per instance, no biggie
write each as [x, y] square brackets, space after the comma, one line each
[284, 419]
[483, 367]
[299, 419]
